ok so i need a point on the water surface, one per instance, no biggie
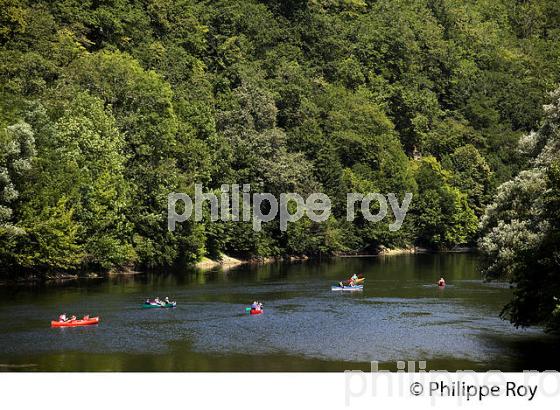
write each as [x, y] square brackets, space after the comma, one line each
[400, 315]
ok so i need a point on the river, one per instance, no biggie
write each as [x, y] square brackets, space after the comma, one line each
[400, 315]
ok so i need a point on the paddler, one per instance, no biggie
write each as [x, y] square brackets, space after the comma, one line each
[353, 280]
[441, 282]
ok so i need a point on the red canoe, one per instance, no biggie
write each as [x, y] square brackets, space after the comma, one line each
[77, 322]
[256, 311]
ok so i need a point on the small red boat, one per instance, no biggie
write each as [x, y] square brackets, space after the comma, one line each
[256, 311]
[77, 322]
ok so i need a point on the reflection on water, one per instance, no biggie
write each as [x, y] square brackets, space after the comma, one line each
[400, 315]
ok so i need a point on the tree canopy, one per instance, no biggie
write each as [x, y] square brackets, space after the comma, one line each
[108, 106]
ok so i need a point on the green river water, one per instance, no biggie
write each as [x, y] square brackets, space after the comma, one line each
[400, 315]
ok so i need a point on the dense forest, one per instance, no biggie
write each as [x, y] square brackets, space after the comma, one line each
[108, 106]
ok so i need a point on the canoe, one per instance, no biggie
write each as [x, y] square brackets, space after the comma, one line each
[74, 323]
[156, 306]
[358, 281]
[348, 288]
[256, 312]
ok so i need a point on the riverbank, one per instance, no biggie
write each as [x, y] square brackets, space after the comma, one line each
[383, 251]
[416, 249]
[228, 262]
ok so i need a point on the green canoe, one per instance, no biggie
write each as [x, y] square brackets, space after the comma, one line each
[156, 306]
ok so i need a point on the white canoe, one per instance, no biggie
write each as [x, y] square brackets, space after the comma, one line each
[348, 288]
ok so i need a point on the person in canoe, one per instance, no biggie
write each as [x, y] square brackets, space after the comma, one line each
[441, 282]
[349, 282]
[63, 318]
[167, 301]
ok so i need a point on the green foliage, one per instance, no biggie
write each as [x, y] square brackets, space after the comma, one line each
[17, 150]
[51, 240]
[443, 217]
[79, 177]
[471, 175]
[521, 234]
[107, 107]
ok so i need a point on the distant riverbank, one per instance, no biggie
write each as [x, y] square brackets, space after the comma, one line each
[226, 262]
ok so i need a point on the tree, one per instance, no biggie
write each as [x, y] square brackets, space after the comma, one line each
[17, 150]
[51, 241]
[442, 216]
[78, 185]
[521, 229]
[471, 175]
[321, 95]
